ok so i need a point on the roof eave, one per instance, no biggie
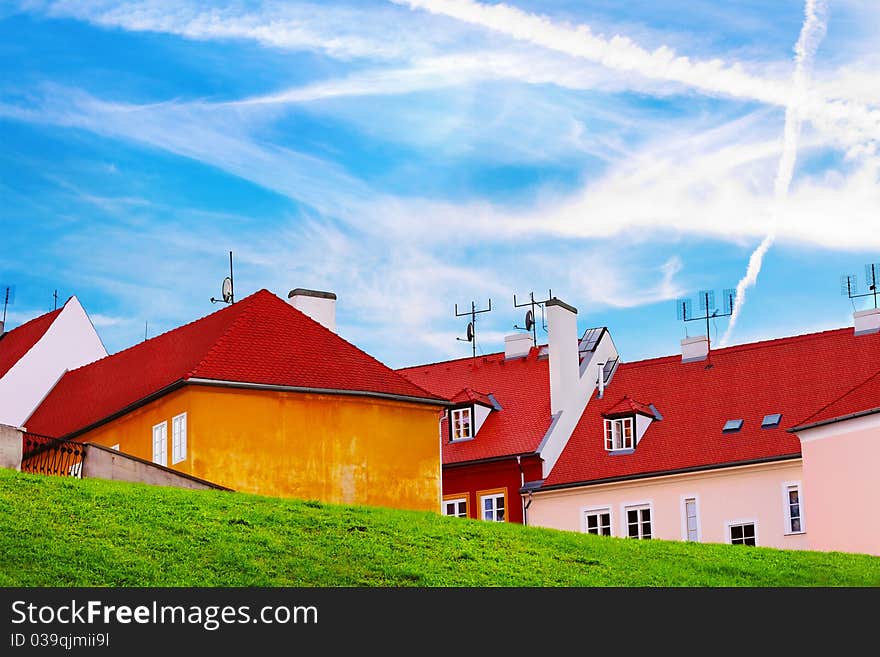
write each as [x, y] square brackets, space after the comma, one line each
[834, 420]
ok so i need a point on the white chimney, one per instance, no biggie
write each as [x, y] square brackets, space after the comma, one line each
[694, 349]
[320, 306]
[866, 321]
[517, 345]
[562, 339]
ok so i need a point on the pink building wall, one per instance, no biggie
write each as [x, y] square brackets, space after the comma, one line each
[755, 493]
[840, 477]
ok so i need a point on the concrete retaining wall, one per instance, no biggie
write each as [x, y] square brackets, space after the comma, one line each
[105, 463]
[11, 444]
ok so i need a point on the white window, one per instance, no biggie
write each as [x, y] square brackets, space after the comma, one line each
[794, 519]
[742, 533]
[691, 521]
[461, 423]
[455, 507]
[178, 438]
[638, 521]
[492, 507]
[598, 521]
[160, 443]
[619, 434]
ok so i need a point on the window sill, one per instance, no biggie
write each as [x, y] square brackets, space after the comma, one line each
[795, 533]
[460, 440]
[620, 452]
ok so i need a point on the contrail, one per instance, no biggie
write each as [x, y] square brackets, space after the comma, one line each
[812, 32]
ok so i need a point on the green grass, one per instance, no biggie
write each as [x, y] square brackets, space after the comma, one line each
[63, 532]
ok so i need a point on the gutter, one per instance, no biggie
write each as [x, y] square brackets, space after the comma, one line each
[664, 473]
[491, 459]
[841, 418]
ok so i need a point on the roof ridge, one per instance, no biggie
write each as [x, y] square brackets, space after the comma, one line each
[321, 327]
[807, 419]
[219, 341]
[162, 335]
[456, 360]
[56, 312]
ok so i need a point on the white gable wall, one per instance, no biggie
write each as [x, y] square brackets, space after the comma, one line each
[70, 342]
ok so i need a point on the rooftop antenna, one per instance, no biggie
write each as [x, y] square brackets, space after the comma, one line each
[471, 327]
[227, 289]
[849, 284]
[55, 296]
[7, 294]
[530, 324]
[706, 298]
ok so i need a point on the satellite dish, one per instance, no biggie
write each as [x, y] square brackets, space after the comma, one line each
[530, 320]
[470, 332]
[226, 289]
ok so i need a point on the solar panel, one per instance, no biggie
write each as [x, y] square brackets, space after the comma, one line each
[732, 426]
[771, 421]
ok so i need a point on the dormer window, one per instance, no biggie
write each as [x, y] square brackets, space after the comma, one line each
[619, 434]
[461, 424]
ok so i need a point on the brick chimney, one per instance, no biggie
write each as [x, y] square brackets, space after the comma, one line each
[517, 345]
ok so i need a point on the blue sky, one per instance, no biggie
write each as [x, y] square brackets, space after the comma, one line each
[417, 154]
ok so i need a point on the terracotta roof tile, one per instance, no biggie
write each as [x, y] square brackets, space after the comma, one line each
[260, 339]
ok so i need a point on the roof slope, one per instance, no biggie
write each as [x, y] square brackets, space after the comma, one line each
[260, 339]
[863, 399]
[792, 376]
[17, 342]
[520, 385]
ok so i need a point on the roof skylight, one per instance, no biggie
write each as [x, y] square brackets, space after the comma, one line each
[732, 426]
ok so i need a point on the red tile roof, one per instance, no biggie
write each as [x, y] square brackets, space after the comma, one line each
[260, 339]
[17, 342]
[629, 406]
[520, 385]
[792, 376]
[467, 395]
[863, 399]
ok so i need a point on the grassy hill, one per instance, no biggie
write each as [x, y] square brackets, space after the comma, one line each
[61, 532]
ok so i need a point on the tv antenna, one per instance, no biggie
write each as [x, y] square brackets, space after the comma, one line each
[471, 332]
[55, 296]
[849, 284]
[227, 289]
[530, 323]
[684, 310]
[7, 294]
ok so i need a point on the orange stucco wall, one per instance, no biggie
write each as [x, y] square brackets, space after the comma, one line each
[334, 448]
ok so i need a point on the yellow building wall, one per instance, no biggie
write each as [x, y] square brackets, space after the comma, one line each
[333, 448]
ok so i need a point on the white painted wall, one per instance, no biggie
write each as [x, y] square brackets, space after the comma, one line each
[480, 415]
[574, 383]
[642, 424]
[70, 342]
[320, 309]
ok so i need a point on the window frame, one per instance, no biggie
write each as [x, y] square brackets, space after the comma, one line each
[626, 507]
[493, 493]
[597, 510]
[470, 415]
[684, 518]
[163, 426]
[609, 431]
[456, 498]
[179, 447]
[786, 507]
[738, 523]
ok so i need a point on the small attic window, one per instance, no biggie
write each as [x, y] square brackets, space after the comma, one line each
[619, 434]
[732, 426]
[460, 424]
[771, 421]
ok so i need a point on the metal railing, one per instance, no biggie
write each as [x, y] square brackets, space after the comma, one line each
[52, 456]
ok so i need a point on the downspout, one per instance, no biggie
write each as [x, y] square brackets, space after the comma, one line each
[526, 510]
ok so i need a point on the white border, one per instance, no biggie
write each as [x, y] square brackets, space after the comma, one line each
[596, 509]
[746, 521]
[684, 529]
[786, 510]
[625, 506]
